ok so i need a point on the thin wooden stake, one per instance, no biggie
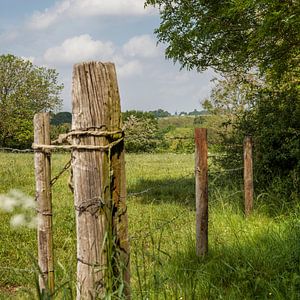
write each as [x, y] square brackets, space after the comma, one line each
[248, 175]
[42, 161]
[201, 177]
[99, 184]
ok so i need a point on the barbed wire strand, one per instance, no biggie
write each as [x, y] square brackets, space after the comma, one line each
[7, 149]
[64, 169]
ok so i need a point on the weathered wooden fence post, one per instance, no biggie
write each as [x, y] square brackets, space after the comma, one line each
[248, 175]
[201, 177]
[42, 162]
[99, 182]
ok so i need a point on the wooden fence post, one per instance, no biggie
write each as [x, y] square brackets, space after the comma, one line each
[42, 162]
[99, 182]
[201, 177]
[248, 175]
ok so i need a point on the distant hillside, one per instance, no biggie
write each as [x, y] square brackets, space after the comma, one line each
[61, 118]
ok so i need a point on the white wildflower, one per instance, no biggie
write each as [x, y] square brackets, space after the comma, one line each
[28, 203]
[24, 206]
[24, 200]
[8, 203]
[18, 220]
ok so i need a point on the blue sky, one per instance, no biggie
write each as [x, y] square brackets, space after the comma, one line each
[57, 34]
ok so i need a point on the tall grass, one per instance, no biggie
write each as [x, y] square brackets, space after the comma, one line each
[254, 258]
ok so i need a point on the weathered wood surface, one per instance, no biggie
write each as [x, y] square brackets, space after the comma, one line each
[42, 162]
[99, 183]
[248, 175]
[201, 177]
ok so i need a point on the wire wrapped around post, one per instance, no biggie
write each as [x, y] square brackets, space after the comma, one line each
[99, 183]
[42, 162]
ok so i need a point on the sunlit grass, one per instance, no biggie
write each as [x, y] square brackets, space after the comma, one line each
[254, 258]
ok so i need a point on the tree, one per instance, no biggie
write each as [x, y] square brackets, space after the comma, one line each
[239, 37]
[160, 113]
[141, 131]
[229, 100]
[246, 105]
[195, 112]
[62, 117]
[227, 34]
[25, 89]
[274, 123]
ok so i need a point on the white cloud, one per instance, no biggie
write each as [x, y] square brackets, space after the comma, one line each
[109, 7]
[129, 69]
[79, 48]
[42, 20]
[84, 8]
[141, 46]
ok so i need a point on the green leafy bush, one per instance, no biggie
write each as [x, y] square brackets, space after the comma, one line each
[141, 131]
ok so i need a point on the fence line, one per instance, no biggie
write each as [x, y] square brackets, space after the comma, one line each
[68, 164]
[7, 149]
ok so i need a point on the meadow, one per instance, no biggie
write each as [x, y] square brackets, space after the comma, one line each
[254, 258]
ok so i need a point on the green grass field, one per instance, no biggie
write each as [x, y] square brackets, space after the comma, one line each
[257, 258]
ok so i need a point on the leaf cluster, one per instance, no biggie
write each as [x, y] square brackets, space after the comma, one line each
[226, 35]
[141, 131]
[25, 89]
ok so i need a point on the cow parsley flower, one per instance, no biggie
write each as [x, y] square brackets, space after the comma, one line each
[23, 206]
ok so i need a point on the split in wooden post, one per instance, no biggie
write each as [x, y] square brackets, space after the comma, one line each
[99, 183]
[248, 175]
[42, 162]
[201, 177]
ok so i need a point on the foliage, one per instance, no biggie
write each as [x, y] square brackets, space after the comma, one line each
[225, 35]
[247, 105]
[240, 37]
[56, 130]
[160, 113]
[25, 89]
[196, 112]
[61, 118]
[141, 131]
[275, 126]
[60, 123]
[180, 140]
[176, 121]
[231, 97]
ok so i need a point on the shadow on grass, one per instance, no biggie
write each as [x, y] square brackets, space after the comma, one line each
[181, 191]
[176, 191]
[265, 265]
[221, 188]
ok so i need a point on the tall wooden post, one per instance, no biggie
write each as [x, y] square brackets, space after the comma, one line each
[248, 175]
[42, 162]
[99, 182]
[201, 177]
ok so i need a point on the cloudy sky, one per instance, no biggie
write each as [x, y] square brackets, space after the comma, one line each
[59, 33]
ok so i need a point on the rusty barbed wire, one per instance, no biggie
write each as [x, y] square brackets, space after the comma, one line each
[64, 169]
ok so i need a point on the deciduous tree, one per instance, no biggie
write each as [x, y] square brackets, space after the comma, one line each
[227, 34]
[25, 89]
